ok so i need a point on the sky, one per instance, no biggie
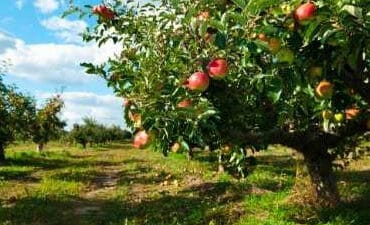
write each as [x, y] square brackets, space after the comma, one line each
[45, 52]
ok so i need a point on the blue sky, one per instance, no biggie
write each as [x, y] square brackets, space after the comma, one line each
[45, 52]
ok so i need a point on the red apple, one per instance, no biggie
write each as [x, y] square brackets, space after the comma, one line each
[185, 103]
[352, 113]
[198, 81]
[217, 68]
[141, 139]
[103, 11]
[325, 89]
[305, 11]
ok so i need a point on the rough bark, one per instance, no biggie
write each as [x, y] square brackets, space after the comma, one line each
[40, 147]
[323, 180]
[190, 154]
[221, 168]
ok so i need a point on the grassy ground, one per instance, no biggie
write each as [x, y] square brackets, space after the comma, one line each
[117, 185]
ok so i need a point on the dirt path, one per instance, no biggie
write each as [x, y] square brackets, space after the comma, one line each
[102, 187]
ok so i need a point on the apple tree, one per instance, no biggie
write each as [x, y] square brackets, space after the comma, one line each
[16, 114]
[237, 74]
[47, 123]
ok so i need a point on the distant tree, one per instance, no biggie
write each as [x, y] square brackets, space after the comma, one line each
[47, 123]
[16, 112]
[93, 133]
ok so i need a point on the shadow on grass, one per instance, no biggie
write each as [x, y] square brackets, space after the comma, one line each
[47, 162]
[217, 202]
[23, 176]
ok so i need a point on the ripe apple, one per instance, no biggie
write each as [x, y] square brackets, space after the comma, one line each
[351, 113]
[339, 117]
[327, 114]
[262, 37]
[274, 45]
[103, 11]
[315, 71]
[141, 139]
[198, 81]
[175, 147]
[218, 68]
[324, 89]
[285, 56]
[305, 11]
[185, 103]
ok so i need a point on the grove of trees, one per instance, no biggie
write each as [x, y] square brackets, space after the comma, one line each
[20, 118]
[241, 74]
[93, 133]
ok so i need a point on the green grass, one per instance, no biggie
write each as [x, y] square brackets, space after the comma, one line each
[117, 185]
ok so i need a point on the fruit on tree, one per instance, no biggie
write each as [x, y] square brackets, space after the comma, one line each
[141, 139]
[324, 89]
[185, 103]
[327, 114]
[218, 68]
[262, 37]
[315, 71]
[352, 113]
[103, 11]
[274, 45]
[339, 117]
[305, 11]
[198, 81]
[285, 56]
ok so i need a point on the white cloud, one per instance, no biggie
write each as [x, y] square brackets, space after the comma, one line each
[7, 42]
[64, 29]
[46, 6]
[106, 109]
[19, 4]
[52, 63]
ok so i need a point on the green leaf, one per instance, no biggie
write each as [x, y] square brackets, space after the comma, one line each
[220, 40]
[274, 90]
[353, 10]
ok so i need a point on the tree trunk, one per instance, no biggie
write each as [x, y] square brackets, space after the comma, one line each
[40, 147]
[2, 153]
[319, 165]
[190, 154]
[221, 168]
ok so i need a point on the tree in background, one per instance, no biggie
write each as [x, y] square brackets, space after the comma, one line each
[93, 133]
[16, 114]
[47, 123]
[237, 74]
